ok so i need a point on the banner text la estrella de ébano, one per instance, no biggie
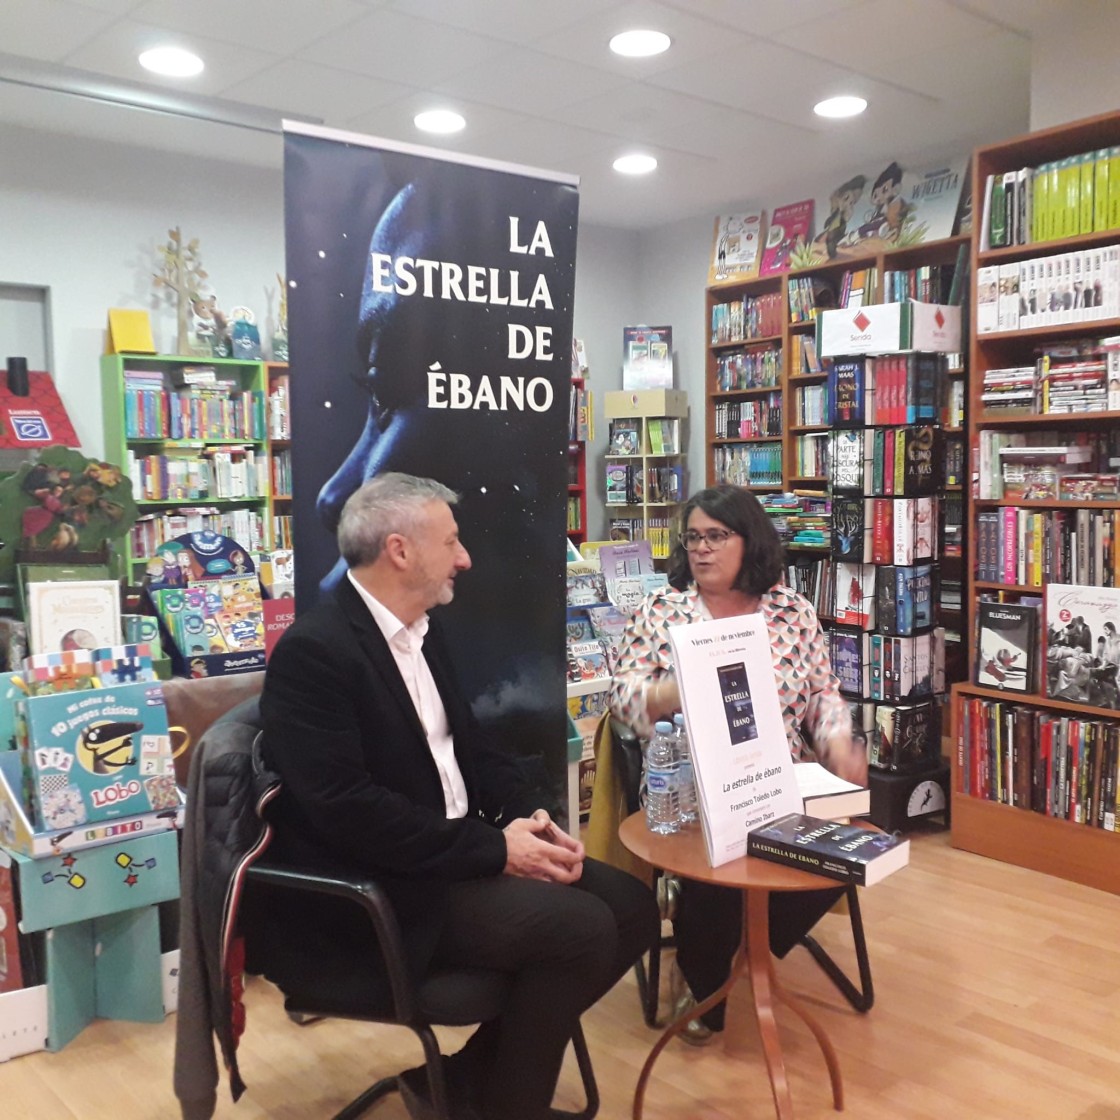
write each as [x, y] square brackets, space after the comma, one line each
[447, 280]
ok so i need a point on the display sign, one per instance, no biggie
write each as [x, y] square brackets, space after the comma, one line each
[740, 753]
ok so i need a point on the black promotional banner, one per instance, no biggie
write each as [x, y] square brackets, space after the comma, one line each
[430, 323]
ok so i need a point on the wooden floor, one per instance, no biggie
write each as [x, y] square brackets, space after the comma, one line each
[998, 998]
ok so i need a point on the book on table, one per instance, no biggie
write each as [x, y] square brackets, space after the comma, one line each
[829, 797]
[844, 852]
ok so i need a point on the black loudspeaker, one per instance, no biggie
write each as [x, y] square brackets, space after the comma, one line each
[19, 385]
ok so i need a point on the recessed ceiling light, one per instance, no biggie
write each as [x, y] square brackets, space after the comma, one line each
[845, 106]
[640, 43]
[171, 62]
[635, 164]
[439, 120]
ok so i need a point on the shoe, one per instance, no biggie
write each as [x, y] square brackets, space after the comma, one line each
[696, 1032]
[668, 896]
[412, 1085]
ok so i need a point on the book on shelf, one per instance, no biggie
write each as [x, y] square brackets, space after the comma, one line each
[73, 614]
[855, 596]
[850, 654]
[828, 797]
[737, 247]
[625, 438]
[907, 668]
[850, 534]
[844, 852]
[904, 598]
[1083, 644]
[790, 227]
[587, 661]
[630, 559]
[1007, 646]
[907, 737]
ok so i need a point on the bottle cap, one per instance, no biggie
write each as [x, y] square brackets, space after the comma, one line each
[663, 726]
[678, 718]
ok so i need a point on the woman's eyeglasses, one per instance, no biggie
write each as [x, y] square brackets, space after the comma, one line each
[713, 538]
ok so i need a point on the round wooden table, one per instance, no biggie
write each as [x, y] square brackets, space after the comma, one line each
[683, 854]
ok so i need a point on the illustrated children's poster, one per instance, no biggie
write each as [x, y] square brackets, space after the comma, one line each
[891, 207]
[788, 239]
[736, 247]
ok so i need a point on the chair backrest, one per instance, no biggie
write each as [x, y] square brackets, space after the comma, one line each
[626, 755]
[196, 703]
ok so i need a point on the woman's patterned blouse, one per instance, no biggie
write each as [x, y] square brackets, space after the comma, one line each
[808, 689]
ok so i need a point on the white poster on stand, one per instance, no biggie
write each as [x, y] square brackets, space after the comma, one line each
[740, 754]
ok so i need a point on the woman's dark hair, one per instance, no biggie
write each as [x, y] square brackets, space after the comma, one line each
[742, 513]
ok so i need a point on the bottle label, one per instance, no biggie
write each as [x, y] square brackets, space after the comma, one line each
[660, 781]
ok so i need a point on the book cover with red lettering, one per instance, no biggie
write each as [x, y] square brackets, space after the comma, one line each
[790, 229]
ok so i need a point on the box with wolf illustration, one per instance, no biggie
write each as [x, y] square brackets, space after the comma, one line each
[96, 755]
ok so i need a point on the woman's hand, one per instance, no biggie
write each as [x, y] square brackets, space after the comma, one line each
[663, 698]
[846, 758]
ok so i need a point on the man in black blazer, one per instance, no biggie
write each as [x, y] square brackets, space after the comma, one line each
[386, 769]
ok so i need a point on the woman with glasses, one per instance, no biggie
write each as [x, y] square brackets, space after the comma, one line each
[729, 561]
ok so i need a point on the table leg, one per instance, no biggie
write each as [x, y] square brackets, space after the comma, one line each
[756, 925]
[823, 1041]
[678, 1025]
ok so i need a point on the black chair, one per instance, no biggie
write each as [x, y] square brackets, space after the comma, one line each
[627, 755]
[450, 999]
[460, 997]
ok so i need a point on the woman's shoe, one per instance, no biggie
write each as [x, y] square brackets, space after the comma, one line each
[668, 896]
[696, 1032]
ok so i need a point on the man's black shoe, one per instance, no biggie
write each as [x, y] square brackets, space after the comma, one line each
[413, 1087]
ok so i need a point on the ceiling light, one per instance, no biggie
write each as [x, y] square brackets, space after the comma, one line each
[171, 62]
[640, 43]
[846, 106]
[635, 164]
[439, 120]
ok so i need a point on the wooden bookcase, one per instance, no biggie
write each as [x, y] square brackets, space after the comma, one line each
[577, 467]
[137, 427]
[652, 516]
[279, 416]
[1078, 852]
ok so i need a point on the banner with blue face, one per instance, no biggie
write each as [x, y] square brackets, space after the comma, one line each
[430, 323]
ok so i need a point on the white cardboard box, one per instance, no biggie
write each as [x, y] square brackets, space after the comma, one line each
[886, 328]
[23, 1022]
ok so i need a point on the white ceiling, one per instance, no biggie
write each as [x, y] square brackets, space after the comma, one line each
[727, 110]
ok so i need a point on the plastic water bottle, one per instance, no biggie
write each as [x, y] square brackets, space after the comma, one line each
[686, 777]
[663, 805]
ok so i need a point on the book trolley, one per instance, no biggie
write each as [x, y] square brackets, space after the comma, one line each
[1069, 832]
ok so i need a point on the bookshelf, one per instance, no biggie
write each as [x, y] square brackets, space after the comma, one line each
[197, 452]
[578, 433]
[645, 464]
[778, 313]
[1030, 831]
[280, 454]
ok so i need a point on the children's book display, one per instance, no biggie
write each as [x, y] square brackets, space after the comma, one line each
[89, 807]
[205, 590]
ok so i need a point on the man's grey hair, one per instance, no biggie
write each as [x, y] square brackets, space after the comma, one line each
[387, 503]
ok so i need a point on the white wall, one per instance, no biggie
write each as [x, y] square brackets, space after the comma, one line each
[607, 299]
[83, 218]
[1075, 65]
